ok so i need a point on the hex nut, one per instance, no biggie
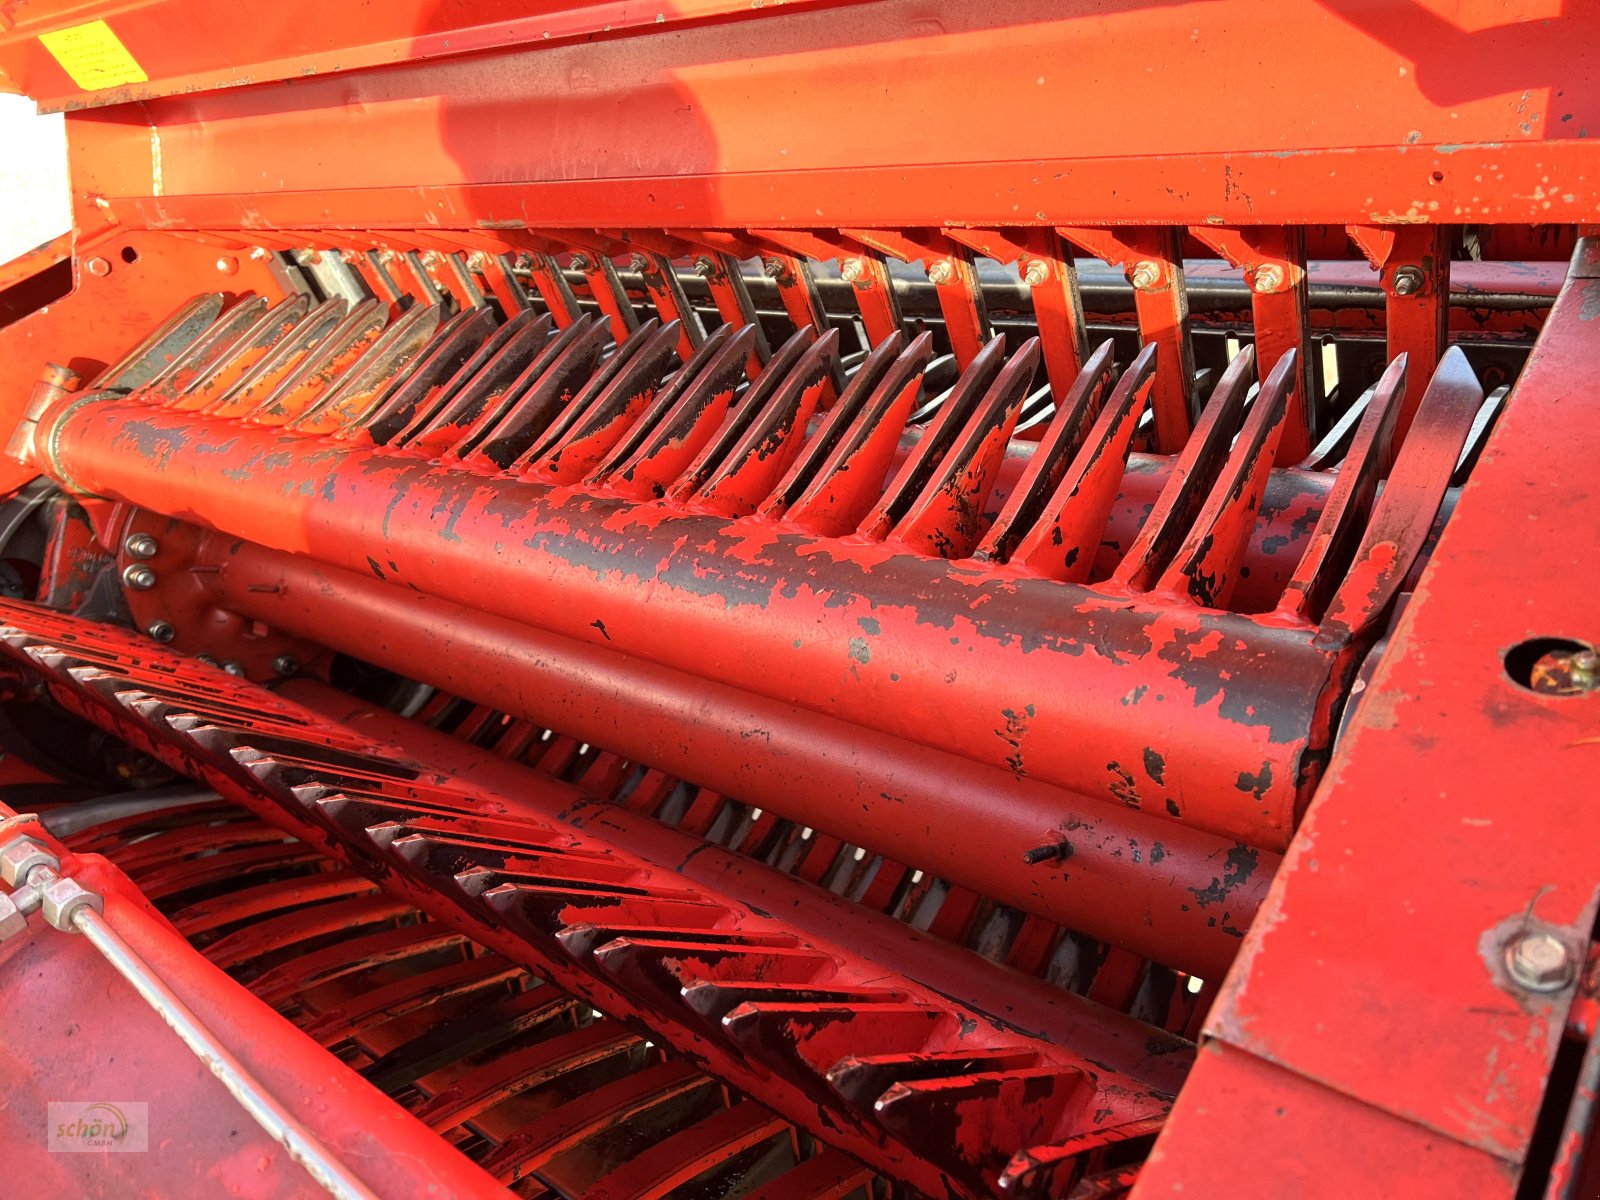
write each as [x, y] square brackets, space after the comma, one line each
[638, 262]
[139, 577]
[941, 272]
[286, 664]
[141, 545]
[1145, 275]
[12, 920]
[773, 268]
[21, 855]
[1407, 281]
[63, 899]
[1539, 962]
[1267, 279]
[161, 631]
[851, 269]
[1036, 274]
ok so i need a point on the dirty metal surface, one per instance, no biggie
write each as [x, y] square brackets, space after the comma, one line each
[663, 513]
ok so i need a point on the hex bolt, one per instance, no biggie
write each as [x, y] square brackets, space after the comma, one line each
[773, 268]
[139, 577]
[386, 257]
[703, 266]
[850, 269]
[233, 667]
[941, 272]
[1407, 281]
[141, 545]
[161, 631]
[1047, 853]
[1145, 275]
[1036, 274]
[581, 262]
[285, 664]
[638, 262]
[430, 259]
[350, 257]
[1539, 962]
[260, 252]
[98, 267]
[477, 262]
[1268, 278]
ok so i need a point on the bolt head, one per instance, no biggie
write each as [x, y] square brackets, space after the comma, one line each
[21, 855]
[98, 267]
[430, 259]
[850, 269]
[259, 252]
[285, 664]
[581, 262]
[1539, 962]
[1267, 279]
[638, 262]
[773, 268]
[139, 577]
[350, 257]
[1407, 281]
[477, 262]
[12, 920]
[1036, 274]
[1145, 275]
[62, 901]
[941, 272]
[161, 631]
[141, 545]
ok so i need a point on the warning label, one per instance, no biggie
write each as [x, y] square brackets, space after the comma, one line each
[94, 56]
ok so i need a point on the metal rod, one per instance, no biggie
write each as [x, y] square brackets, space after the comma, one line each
[332, 1175]
[75, 818]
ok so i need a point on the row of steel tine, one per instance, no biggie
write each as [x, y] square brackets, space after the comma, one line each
[569, 407]
[264, 909]
[630, 937]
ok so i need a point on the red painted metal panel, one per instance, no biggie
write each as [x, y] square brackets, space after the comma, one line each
[1446, 825]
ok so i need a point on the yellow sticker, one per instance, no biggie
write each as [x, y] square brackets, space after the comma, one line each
[94, 56]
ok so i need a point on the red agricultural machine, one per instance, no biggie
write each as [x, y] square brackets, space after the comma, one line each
[813, 601]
